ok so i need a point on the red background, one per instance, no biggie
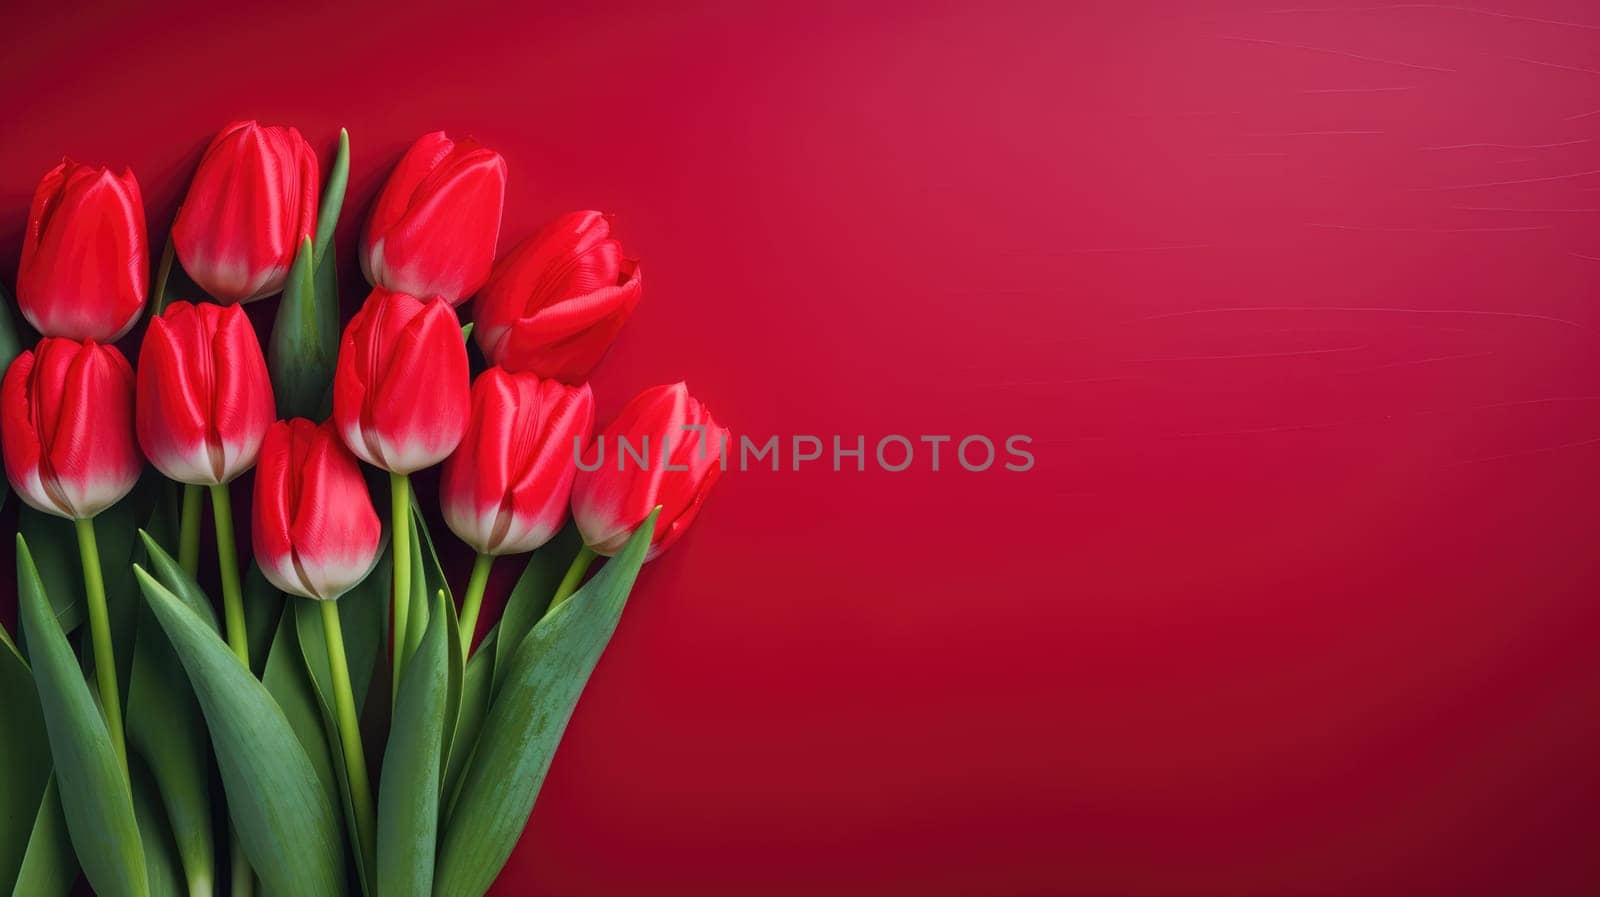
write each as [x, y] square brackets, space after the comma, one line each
[1298, 307]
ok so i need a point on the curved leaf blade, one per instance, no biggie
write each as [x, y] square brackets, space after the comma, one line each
[95, 794]
[160, 852]
[24, 760]
[525, 722]
[48, 867]
[530, 597]
[278, 806]
[167, 730]
[408, 797]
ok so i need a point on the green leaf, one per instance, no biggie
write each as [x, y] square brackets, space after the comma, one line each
[304, 344]
[531, 595]
[285, 677]
[160, 853]
[279, 808]
[59, 566]
[474, 704]
[24, 760]
[167, 730]
[95, 793]
[301, 350]
[48, 868]
[365, 636]
[333, 196]
[55, 544]
[177, 580]
[408, 800]
[158, 285]
[425, 580]
[545, 677]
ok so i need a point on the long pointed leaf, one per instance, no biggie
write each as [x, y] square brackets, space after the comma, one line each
[95, 794]
[48, 868]
[279, 808]
[160, 852]
[408, 800]
[531, 595]
[166, 730]
[24, 759]
[526, 721]
[474, 704]
[333, 195]
[286, 679]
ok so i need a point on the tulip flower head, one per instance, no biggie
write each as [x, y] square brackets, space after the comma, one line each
[505, 489]
[85, 264]
[314, 529]
[252, 202]
[681, 448]
[204, 396]
[555, 303]
[67, 414]
[435, 226]
[401, 389]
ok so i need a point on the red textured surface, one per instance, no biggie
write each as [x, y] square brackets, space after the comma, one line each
[1299, 307]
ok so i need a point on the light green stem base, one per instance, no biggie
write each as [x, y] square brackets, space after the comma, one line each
[228, 561]
[189, 529]
[400, 527]
[355, 759]
[574, 577]
[242, 881]
[105, 661]
[472, 602]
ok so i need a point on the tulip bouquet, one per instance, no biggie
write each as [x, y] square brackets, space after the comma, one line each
[340, 727]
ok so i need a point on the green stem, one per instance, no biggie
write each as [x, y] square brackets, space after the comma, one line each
[355, 760]
[189, 530]
[105, 661]
[400, 526]
[228, 560]
[472, 602]
[574, 577]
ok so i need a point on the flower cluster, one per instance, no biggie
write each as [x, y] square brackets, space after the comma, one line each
[396, 392]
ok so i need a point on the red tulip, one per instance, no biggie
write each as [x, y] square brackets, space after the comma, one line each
[204, 397]
[314, 529]
[85, 260]
[505, 489]
[252, 202]
[434, 228]
[401, 389]
[663, 449]
[556, 302]
[67, 412]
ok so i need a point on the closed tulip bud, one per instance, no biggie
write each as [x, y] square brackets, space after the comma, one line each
[435, 226]
[664, 449]
[204, 397]
[252, 202]
[67, 412]
[555, 303]
[505, 489]
[401, 388]
[313, 526]
[85, 255]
